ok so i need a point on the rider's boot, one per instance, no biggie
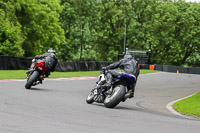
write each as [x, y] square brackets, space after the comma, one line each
[131, 94]
[40, 81]
[131, 91]
[41, 78]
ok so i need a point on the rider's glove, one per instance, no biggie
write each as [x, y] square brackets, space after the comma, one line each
[33, 60]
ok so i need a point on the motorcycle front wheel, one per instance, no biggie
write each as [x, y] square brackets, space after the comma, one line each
[32, 79]
[116, 97]
[90, 98]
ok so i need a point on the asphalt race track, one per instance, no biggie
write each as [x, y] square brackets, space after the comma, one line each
[60, 107]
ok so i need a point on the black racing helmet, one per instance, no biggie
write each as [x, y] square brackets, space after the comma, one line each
[128, 56]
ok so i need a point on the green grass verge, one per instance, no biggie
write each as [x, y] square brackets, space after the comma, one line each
[21, 74]
[189, 106]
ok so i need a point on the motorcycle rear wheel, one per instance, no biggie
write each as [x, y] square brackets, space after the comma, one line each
[32, 79]
[116, 97]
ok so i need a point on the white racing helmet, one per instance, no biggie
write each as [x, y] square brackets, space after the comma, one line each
[51, 50]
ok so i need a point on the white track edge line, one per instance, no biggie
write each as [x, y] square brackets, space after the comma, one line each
[169, 106]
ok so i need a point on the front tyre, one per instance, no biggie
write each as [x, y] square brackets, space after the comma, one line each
[116, 97]
[32, 79]
[90, 98]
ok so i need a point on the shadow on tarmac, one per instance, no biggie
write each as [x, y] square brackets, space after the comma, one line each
[144, 110]
[39, 89]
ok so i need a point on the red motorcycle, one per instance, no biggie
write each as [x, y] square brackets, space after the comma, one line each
[36, 73]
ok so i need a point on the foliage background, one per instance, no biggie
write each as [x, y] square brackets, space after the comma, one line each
[91, 30]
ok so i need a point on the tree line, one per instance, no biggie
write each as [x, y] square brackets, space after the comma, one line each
[93, 30]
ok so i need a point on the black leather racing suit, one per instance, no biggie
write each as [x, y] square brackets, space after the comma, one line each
[129, 66]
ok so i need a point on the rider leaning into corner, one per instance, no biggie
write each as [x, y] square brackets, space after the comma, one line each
[129, 65]
[50, 60]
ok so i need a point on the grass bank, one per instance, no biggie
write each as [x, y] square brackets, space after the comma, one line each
[21, 74]
[189, 106]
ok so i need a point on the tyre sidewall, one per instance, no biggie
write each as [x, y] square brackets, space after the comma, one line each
[117, 98]
[90, 98]
[32, 79]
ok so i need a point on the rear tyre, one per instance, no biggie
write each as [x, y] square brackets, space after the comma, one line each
[90, 98]
[32, 79]
[116, 97]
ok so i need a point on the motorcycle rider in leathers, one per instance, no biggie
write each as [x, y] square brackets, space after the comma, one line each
[129, 65]
[50, 60]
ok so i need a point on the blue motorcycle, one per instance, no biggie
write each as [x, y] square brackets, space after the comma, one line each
[112, 96]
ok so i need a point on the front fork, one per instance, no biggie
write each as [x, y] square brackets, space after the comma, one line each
[98, 90]
[98, 94]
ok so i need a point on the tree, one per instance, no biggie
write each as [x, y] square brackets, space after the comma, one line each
[40, 26]
[114, 16]
[78, 20]
[10, 31]
[188, 30]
